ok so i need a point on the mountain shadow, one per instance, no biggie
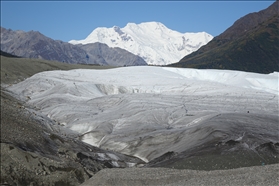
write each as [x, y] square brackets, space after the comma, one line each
[2, 53]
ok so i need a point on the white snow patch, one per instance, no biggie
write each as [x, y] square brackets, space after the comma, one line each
[112, 156]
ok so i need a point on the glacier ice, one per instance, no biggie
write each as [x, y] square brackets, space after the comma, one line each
[148, 111]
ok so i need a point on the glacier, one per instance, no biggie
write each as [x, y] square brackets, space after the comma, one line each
[153, 41]
[148, 111]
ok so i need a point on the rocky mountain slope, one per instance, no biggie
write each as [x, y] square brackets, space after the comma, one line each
[35, 45]
[153, 41]
[250, 44]
[102, 54]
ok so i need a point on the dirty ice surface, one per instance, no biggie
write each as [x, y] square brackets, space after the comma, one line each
[148, 111]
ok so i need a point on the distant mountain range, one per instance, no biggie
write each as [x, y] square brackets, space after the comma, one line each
[250, 44]
[33, 44]
[153, 41]
[142, 44]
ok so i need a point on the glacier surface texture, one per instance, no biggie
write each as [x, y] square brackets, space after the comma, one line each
[149, 111]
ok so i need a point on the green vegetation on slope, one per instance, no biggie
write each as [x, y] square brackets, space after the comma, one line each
[256, 51]
[14, 69]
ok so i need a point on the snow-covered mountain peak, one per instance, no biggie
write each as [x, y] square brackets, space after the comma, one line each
[153, 41]
[151, 25]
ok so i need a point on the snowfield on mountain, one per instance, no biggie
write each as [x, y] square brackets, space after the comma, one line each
[153, 41]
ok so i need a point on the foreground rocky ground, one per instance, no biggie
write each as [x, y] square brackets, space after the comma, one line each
[261, 175]
[32, 152]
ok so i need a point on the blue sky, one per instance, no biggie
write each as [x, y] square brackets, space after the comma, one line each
[67, 20]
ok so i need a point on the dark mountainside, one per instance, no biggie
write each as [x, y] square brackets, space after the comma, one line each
[250, 44]
[7, 54]
[102, 54]
[33, 44]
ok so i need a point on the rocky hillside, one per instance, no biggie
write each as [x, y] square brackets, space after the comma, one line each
[250, 44]
[102, 54]
[33, 44]
[34, 149]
